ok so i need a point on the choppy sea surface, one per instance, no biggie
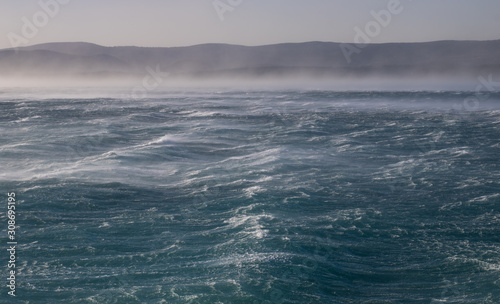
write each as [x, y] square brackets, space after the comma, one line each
[279, 196]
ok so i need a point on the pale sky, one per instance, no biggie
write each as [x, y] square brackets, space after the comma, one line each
[246, 22]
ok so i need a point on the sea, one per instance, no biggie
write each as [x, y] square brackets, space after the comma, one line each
[250, 196]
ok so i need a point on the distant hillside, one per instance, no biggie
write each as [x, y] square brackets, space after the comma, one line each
[321, 59]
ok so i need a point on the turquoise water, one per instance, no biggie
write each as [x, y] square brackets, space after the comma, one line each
[253, 197]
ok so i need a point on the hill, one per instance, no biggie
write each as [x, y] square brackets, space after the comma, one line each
[318, 59]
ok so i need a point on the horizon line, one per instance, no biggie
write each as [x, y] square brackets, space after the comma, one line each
[243, 45]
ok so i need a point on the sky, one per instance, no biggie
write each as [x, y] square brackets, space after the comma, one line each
[166, 23]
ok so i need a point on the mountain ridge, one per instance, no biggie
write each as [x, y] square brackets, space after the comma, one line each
[314, 58]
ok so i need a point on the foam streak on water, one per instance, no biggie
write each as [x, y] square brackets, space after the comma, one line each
[254, 197]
